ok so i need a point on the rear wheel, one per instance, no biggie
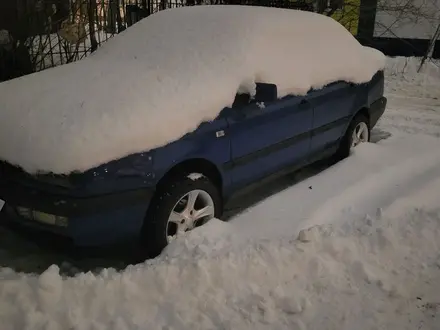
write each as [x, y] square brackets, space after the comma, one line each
[358, 132]
[182, 205]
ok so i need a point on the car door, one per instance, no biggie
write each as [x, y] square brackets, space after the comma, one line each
[332, 110]
[268, 135]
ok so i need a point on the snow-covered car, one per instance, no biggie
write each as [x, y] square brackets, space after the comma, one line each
[151, 135]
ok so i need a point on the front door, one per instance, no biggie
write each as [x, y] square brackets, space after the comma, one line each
[268, 137]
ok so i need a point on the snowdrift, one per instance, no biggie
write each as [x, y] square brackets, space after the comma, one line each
[367, 274]
[162, 77]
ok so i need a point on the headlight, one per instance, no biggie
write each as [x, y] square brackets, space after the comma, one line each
[46, 218]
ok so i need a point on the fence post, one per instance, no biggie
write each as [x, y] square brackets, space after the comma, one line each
[91, 15]
[367, 20]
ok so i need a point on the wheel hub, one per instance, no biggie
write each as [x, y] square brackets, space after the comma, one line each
[360, 134]
[193, 209]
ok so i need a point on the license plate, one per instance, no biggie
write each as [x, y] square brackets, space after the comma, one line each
[2, 203]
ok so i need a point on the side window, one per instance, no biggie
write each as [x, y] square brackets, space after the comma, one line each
[265, 93]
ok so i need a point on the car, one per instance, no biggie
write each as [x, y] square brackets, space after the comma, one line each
[158, 194]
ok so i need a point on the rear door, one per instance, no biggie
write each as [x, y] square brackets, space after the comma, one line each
[268, 137]
[333, 107]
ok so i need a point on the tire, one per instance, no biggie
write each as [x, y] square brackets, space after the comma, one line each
[156, 229]
[346, 142]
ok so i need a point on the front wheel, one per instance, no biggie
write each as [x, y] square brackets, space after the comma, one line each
[181, 206]
[358, 132]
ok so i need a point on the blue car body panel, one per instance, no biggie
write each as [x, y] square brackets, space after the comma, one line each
[203, 143]
[265, 139]
[333, 108]
[109, 203]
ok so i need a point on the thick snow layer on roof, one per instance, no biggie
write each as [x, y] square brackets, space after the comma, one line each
[159, 79]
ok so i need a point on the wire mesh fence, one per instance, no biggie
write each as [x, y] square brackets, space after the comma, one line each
[40, 34]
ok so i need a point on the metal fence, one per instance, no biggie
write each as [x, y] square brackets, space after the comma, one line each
[62, 31]
[46, 33]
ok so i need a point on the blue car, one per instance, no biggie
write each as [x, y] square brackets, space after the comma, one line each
[168, 120]
[160, 194]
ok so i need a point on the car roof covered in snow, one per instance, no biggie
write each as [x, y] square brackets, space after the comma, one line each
[162, 77]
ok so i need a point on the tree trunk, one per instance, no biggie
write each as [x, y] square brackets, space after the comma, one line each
[92, 20]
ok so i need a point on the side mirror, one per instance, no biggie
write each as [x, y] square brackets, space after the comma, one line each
[266, 92]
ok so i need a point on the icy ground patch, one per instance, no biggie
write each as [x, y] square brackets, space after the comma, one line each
[354, 247]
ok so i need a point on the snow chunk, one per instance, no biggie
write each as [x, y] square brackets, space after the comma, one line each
[261, 105]
[209, 239]
[50, 288]
[161, 78]
[195, 176]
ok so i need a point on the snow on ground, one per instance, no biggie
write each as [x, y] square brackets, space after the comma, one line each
[355, 246]
[370, 273]
[372, 178]
[160, 79]
[414, 98]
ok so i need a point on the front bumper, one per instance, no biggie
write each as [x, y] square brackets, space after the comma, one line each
[377, 108]
[92, 221]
